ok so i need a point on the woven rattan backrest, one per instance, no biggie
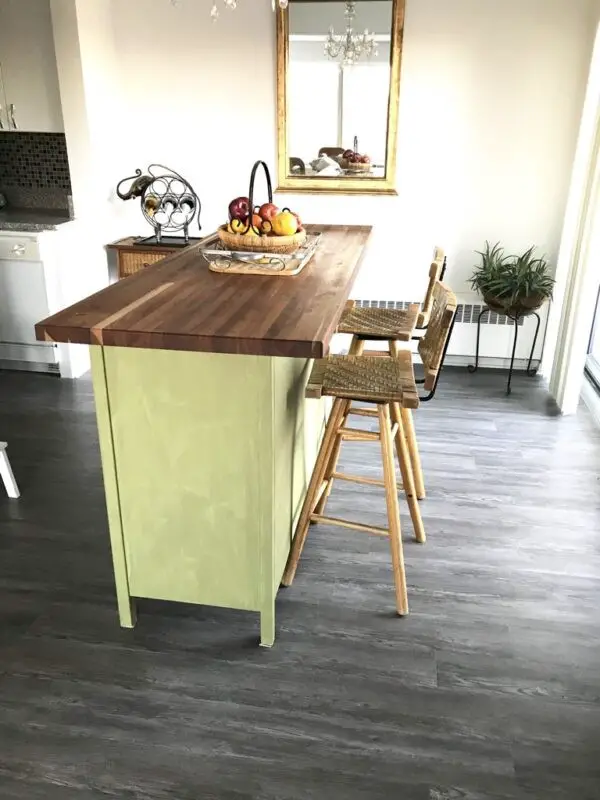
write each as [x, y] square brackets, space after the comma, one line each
[432, 346]
[435, 270]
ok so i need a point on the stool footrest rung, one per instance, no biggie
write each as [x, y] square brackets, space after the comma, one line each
[378, 353]
[342, 476]
[363, 412]
[344, 523]
[356, 434]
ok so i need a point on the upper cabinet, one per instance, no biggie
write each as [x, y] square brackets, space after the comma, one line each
[29, 92]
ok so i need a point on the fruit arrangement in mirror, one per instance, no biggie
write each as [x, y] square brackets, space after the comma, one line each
[266, 220]
[352, 160]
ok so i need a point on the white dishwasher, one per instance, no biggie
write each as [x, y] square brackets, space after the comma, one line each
[23, 302]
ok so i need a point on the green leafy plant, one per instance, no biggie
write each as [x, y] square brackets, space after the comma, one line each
[512, 280]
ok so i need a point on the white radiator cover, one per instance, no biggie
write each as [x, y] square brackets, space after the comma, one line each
[497, 336]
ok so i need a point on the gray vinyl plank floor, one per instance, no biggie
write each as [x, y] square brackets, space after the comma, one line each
[490, 689]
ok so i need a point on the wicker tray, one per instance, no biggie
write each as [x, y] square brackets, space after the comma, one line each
[261, 244]
[246, 263]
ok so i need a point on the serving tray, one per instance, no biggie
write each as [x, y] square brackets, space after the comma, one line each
[220, 259]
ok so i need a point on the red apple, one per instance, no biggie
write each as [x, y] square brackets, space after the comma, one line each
[347, 154]
[257, 221]
[239, 208]
[365, 160]
[267, 211]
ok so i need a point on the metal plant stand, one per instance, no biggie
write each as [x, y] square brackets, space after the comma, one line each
[516, 319]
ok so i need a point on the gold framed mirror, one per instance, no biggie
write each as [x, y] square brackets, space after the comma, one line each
[338, 86]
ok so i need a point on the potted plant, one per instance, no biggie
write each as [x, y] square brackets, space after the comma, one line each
[512, 285]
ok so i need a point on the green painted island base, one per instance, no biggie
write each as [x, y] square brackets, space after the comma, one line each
[206, 461]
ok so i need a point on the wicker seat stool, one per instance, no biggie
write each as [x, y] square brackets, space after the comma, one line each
[432, 349]
[388, 384]
[392, 324]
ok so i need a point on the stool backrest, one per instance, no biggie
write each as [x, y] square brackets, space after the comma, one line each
[435, 272]
[297, 166]
[332, 152]
[432, 347]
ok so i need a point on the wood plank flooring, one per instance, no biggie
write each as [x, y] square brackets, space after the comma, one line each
[490, 689]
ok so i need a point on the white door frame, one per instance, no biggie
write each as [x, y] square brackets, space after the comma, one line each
[578, 267]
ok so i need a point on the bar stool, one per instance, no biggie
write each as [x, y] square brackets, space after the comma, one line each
[390, 384]
[392, 324]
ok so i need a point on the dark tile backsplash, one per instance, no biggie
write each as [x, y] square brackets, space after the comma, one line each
[34, 161]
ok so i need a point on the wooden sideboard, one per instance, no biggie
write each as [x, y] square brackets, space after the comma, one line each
[133, 255]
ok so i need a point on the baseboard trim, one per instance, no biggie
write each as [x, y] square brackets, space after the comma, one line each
[490, 362]
[591, 399]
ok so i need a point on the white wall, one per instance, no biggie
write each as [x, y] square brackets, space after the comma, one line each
[96, 125]
[490, 105]
[98, 137]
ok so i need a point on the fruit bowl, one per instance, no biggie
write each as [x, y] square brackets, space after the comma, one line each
[261, 244]
[355, 166]
[261, 229]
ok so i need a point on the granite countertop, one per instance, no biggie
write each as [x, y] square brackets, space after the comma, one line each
[32, 219]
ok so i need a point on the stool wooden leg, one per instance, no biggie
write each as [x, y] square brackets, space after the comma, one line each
[393, 509]
[356, 349]
[413, 449]
[394, 348]
[333, 460]
[407, 475]
[357, 346]
[316, 481]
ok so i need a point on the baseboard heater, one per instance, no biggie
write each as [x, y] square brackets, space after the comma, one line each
[466, 313]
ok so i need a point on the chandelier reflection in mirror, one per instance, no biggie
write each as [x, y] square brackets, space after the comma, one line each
[232, 5]
[349, 47]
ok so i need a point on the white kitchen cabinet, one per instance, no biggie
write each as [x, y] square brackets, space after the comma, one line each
[30, 98]
[23, 303]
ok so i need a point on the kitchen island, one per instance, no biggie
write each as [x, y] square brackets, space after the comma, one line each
[207, 443]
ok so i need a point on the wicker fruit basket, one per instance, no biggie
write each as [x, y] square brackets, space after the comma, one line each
[355, 167]
[261, 244]
[252, 240]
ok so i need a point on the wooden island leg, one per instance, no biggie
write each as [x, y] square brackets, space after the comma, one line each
[125, 603]
[267, 626]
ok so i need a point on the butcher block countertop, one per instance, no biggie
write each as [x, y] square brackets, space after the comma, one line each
[179, 304]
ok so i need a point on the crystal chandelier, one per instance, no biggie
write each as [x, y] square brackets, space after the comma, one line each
[349, 47]
[232, 4]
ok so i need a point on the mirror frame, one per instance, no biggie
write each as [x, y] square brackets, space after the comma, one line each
[385, 185]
